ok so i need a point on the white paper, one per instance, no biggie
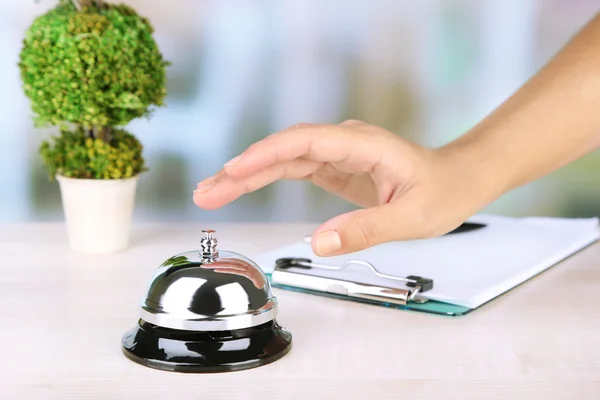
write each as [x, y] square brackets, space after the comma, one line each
[468, 268]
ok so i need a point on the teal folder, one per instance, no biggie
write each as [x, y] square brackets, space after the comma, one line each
[466, 269]
[432, 307]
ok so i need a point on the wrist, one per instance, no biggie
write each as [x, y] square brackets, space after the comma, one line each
[479, 167]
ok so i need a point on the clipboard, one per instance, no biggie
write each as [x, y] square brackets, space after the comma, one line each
[451, 275]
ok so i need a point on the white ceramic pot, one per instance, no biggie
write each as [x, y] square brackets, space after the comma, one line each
[98, 213]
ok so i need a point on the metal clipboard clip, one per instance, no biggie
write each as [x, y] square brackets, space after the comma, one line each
[284, 275]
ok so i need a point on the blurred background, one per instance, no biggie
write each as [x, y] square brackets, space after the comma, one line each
[427, 70]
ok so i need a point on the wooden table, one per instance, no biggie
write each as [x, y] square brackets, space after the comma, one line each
[62, 316]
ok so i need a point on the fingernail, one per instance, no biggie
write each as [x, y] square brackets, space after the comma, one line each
[328, 242]
[205, 185]
[233, 161]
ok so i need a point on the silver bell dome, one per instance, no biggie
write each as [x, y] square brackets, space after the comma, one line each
[208, 290]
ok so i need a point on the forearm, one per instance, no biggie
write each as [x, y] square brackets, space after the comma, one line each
[549, 122]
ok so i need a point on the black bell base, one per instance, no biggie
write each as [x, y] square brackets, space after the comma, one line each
[206, 352]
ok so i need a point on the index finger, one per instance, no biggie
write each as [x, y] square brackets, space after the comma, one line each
[323, 143]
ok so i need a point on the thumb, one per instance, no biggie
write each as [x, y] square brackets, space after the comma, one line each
[361, 229]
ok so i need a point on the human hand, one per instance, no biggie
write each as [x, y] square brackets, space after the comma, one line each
[406, 191]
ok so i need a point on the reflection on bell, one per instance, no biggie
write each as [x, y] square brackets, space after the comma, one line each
[207, 311]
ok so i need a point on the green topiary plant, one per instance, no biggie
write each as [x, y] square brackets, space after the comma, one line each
[89, 67]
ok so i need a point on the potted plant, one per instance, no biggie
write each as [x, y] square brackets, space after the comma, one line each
[89, 68]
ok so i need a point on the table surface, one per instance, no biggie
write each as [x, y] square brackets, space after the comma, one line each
[539, 341]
